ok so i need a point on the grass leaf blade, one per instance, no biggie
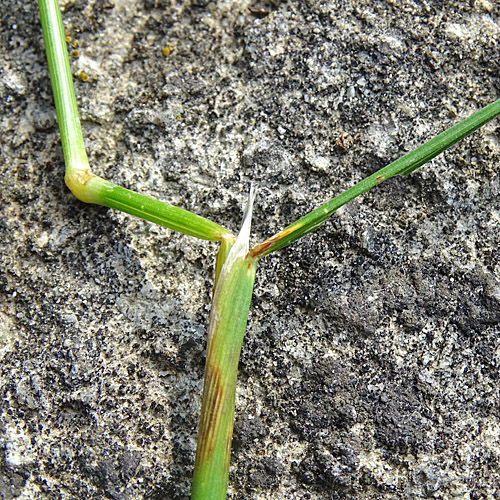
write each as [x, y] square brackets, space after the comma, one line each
[80, 179]
[402, 166]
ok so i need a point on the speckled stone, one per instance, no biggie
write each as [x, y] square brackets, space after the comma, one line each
[371, 363]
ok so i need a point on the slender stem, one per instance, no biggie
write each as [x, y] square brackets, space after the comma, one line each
[62, 85]
[157, 211]
[80, 179]
[402, 166]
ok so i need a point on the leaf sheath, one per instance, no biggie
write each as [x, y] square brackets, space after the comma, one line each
[228, 319]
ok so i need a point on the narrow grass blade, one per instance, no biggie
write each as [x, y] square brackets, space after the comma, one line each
[162, 213]
[80, 179]
[402, 166]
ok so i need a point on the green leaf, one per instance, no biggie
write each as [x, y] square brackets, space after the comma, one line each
[80, 179]
[159, 212]
[403, 166]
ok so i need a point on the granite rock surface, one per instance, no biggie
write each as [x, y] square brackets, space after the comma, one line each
[370, 368]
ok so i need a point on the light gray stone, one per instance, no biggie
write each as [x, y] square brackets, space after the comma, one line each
[371, 361]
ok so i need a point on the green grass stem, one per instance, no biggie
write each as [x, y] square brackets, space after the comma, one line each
[403, 166]
[75, 156]
[159, 212]
[80, 179]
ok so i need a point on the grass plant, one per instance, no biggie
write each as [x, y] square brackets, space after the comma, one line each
[236, 263]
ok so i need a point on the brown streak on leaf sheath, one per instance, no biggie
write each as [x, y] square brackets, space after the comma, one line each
[210, 414]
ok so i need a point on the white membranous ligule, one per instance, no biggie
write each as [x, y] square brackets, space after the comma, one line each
[238, 252]
[242, 243]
